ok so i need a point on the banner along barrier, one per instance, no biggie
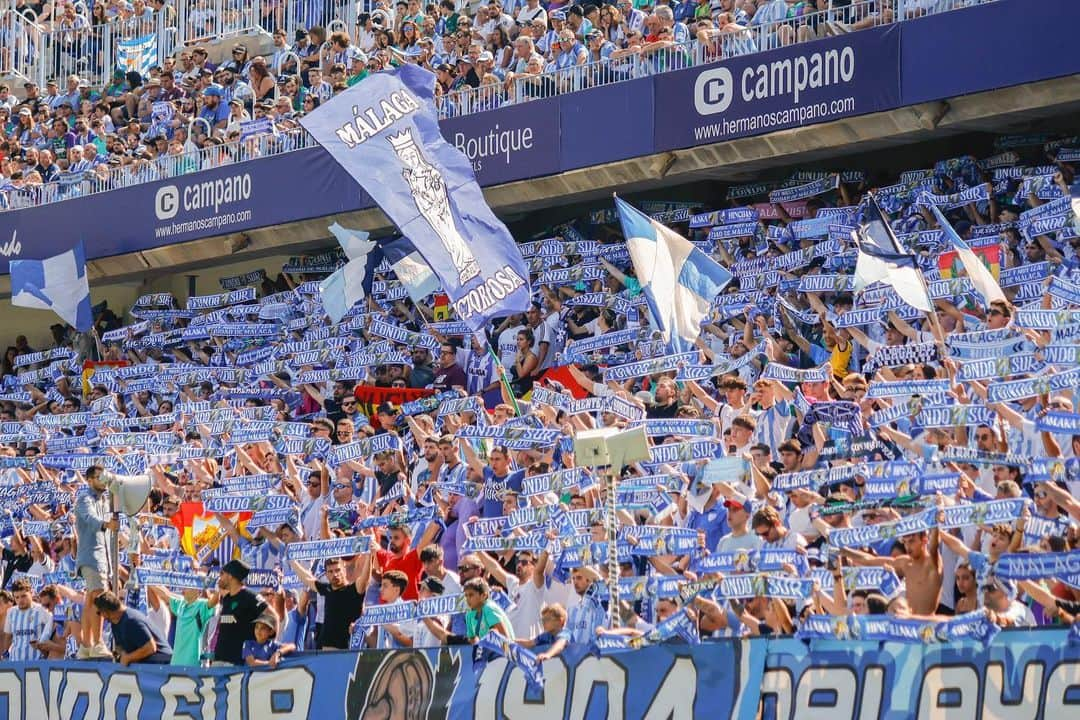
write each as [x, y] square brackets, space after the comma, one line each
[1021, 674]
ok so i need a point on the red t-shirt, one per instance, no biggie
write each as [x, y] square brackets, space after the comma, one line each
[409, 563]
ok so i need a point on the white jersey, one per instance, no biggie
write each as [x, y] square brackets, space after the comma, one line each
[26, 626]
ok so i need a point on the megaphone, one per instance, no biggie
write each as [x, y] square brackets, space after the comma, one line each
[611, 446]
[129, 492]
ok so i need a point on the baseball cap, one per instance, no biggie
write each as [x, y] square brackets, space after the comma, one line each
[240, 46]
[485, 57]
[736, 504]
[558, 15]
[214, 90]
[26, 111]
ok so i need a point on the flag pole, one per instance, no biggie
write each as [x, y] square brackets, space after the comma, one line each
[503, 379]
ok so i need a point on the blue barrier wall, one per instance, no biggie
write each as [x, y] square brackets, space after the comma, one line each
[1021, 675]
[1005, 43]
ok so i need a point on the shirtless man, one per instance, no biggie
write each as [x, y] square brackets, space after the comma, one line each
[920, 566]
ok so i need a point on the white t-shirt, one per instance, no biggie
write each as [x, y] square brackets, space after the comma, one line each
[731, 542]
[161, 618]
[507, 345]
[527, 15]
[422, 637]
[1020, 614]
[528, 600]
[451, 583]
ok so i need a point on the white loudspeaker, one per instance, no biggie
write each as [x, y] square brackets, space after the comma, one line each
[129, 492]
[611, 446]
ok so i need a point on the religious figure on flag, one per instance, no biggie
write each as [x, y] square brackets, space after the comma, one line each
[429, 193]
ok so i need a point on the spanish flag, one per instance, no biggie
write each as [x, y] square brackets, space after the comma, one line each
[441, 308]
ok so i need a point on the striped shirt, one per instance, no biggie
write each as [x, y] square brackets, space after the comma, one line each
[26, 626]
[584, 618]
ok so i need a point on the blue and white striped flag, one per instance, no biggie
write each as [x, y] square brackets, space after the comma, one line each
[679, 280]
[350, 283]
[138, 54]
[58, 283]
[883, 259]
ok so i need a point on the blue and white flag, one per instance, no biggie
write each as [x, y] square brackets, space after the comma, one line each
[138, 54]
[679, 281]
[882, 259]
[58, 283]
[384, 132]
[980, 276]
[350, 283]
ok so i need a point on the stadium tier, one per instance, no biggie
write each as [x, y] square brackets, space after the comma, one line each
[318, 428]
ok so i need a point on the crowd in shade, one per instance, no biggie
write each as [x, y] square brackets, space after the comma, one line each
[825, 458]
[72, 136]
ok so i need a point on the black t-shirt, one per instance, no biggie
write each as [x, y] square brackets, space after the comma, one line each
[13, 563]
[343, 607]
[665, 412]
[237, 624]
[387, 481]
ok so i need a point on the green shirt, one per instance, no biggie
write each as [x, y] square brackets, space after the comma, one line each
[479, 623]
[191, 620]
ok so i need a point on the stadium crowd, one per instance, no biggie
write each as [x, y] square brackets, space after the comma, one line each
[821, 461]
[73, 136]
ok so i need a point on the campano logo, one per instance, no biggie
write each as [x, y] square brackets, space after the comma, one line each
[167, 202]
[713, 91]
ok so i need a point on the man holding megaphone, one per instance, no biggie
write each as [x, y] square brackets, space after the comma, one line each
[96, 514]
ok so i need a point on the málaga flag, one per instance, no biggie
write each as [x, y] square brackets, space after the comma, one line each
[384, 131]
